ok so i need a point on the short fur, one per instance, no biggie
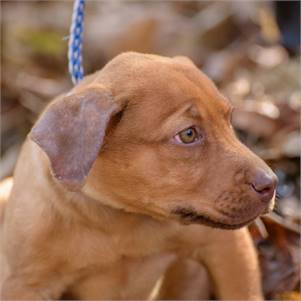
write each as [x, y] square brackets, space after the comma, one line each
[104, 202]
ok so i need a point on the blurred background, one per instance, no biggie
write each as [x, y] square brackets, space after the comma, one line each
[250, 49]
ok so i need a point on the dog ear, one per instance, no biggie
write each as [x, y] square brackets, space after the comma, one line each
[184, 60]
[71, 132]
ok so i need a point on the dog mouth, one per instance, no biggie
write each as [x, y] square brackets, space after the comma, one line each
[190, 216]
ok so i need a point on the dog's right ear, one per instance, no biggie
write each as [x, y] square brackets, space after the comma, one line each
[71, 132]
[184, 60]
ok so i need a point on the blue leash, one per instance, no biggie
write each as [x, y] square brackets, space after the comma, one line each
[76, 69]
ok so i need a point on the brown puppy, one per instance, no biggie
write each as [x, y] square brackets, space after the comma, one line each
[129, 168]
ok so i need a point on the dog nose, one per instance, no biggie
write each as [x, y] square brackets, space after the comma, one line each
[264, 184]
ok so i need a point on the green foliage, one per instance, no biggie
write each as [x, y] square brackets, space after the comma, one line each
[43, 42]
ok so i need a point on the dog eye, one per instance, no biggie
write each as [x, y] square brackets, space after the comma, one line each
[188, 136]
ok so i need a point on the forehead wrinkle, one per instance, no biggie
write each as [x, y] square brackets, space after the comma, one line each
[206, 87]
[174, 119]
[212, 104]
[178, 112]
[193, 111]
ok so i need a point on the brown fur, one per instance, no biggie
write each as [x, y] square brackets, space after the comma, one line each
[102, 193]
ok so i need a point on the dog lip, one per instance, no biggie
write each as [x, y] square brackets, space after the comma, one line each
[190, 216]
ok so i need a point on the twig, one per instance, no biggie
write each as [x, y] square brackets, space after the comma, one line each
[283, 222]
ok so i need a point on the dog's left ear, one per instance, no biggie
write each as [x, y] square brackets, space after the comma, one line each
[71, 132]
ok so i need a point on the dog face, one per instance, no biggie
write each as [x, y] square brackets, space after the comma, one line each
[166, 147]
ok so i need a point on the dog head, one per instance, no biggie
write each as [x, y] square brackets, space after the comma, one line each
[153, 135]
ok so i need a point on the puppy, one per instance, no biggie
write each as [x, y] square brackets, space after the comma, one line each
[138, 165]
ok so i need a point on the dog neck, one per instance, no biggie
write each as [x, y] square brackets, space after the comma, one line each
[101, 213]
[79, 206]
